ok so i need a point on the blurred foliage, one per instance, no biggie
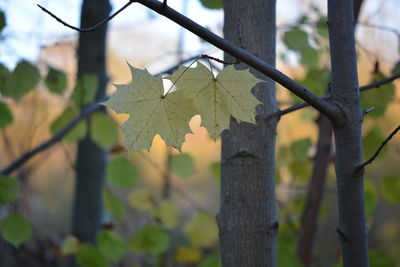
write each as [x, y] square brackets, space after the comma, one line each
[166, 228]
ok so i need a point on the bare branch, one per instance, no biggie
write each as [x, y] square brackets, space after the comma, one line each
[89, 29]
[369, 161]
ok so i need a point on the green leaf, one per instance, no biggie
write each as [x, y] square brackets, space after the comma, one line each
[142, 199]
[77, 133]
[215, 169]
[167, 212]
[103, 130]
[211, 261]
[316, 80]
[287, 251]
[56, 81]
[188, 255]
[390, 189]
[10, 189]
[182, 164]
[371, 141]
[5, 115]
[370, 197]
[322, 27]
[113, 205]
[309, 58]
[212, 4]
[4, 74]
[85, 90]
[70, 245]
[296, 39]
[15, 229]
[2, 20]
[121, 172]
[378, 97]
[300, 170]
[24, 78]
[111, 245]
[379, 259]
[201, 230]
[89, 256]
[300, 148]
[150, 239]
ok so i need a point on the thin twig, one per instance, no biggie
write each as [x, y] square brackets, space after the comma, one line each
[219, 60]
[370, 160]
[88, 29]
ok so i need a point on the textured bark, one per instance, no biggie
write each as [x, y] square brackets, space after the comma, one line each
[247, 220]
[91, 159]
[346, 94]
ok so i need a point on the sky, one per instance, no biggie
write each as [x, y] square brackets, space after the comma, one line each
[29, 28]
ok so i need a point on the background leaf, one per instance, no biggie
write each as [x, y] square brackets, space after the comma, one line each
[15, 229]
[371, 141]
[142, 199]
[150, 239]
[24, 78]
[111, 245]
[201, 230]
[85, 90]
[10, 189]
[56, 81]
[390, 189]
[103, 130]
[212, 4]
[5, 115]
[182, 164]
[113, 205]
[167, 212]
[121, 172]
[89, 256]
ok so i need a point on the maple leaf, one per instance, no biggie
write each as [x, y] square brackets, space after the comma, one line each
[218, 98]
[151, 111]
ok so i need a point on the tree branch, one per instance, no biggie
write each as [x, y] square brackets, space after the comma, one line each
[89, 29]
[370, 160]
[367, 87]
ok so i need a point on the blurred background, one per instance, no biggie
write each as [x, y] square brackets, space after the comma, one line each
[161, 204]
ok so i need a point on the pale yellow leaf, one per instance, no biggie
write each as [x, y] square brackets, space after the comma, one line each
[218, 98]
[151, 111]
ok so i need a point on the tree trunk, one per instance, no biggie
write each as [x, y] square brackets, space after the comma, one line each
[91, 159]
[247, 220]
[346, 95]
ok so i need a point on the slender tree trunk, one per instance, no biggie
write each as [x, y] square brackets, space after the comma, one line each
[345, 92]
[315, 192]
[91, 159]
[309, 218]
[247, 220]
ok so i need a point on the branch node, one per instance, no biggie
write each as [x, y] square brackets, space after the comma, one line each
[342, 235]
